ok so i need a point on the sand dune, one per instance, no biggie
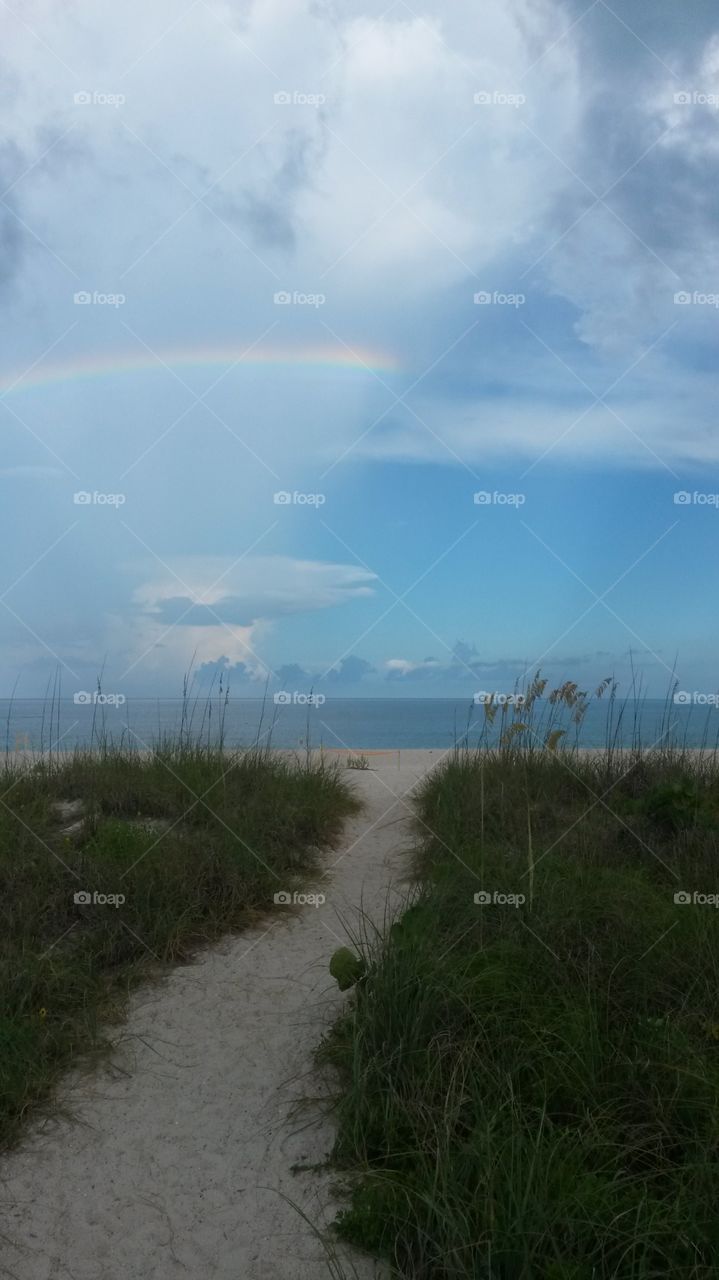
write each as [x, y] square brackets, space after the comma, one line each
[177, 1157]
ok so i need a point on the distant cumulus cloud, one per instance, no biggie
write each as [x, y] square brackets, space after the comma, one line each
[221, 670]
[350, 671]
[403, 668]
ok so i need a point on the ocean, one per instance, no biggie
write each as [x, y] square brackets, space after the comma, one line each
[342, 723]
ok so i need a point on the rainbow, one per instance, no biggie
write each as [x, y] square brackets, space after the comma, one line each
[109, 365]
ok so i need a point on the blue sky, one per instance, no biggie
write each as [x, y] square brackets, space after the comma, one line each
[497, 231]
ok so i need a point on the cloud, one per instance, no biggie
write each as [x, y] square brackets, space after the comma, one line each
[225, 611]
[269, 211]
[397, 188]
[14, 240]
[460, 676]
[221, 671]
[402, 668]
[350, 671]
[292, 676]
[250, 589]
[652, 159]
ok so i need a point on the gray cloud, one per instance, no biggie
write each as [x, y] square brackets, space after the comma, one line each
[351, 670]
[268, 211]
[222, 669]
[13, 239]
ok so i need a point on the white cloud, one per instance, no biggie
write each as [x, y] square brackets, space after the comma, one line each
[212, 606]
[273, 584]
[400, 667]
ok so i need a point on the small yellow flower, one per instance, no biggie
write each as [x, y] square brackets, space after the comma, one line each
[42, 1013]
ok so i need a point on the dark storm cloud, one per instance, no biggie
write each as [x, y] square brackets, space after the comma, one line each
[628, 61]
[622, 32]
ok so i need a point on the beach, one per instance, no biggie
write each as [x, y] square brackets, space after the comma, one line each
[185, 1155]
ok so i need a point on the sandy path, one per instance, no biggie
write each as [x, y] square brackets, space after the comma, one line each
[174, 1161]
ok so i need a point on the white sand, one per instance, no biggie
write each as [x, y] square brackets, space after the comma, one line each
[175, 1161]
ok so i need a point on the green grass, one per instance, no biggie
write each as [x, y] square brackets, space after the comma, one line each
[532, 1090]
[357, 762]
[195, 839]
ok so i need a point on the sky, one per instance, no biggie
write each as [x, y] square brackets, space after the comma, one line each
[359, 346]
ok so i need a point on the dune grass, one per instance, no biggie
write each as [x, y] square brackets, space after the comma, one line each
[530, 1064]
[195, 840]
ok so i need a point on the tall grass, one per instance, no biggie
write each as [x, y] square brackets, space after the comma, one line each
[195, 839]
[534, 719]
[530, 1080]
